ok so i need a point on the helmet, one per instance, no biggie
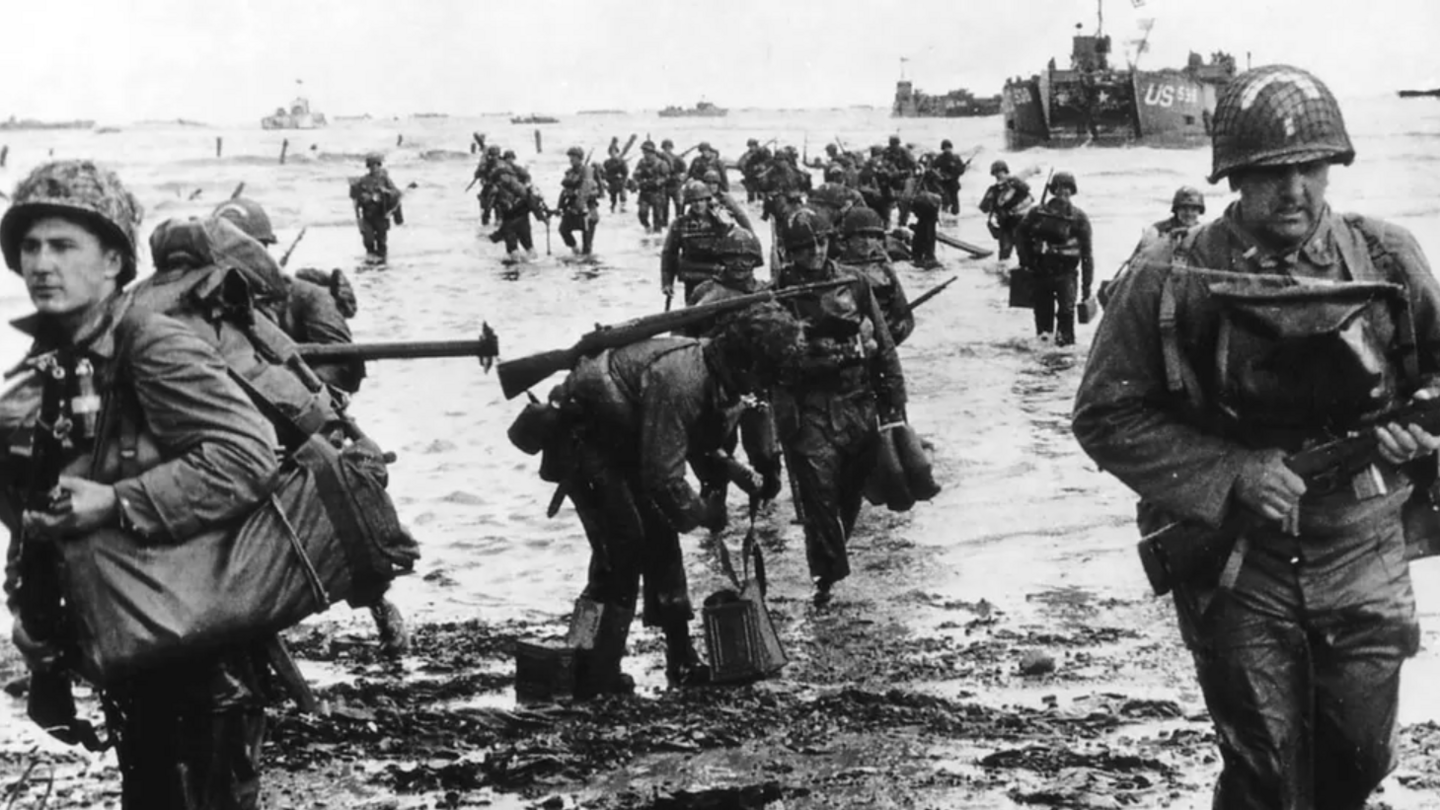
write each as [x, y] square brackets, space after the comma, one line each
[575, 151]
[703, 146]
[752, 142]
[696, 190]
[831, 148]
[179, 243]
[862, 220]
[1063, 180]
[834, 174]
[492, 149]
[77, 190]
[667, 144]
[1277, 115]
[712, 176]
[946, 144]
[249, 217]
[374, 159]
[804, 229]
[1188, 195]
[999, 166]
[894, 140]
[509, 154]
[741, 242]
[648, 146]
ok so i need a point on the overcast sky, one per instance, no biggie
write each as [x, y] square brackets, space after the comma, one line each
[231, 62]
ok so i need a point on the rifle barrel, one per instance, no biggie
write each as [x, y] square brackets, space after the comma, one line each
[932, 292]
[394, 350]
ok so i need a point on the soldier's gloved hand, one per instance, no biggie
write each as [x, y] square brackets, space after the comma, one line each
[770, 483]
[1399, 444]
[83, 506]
[1268, 486]
[40, 656]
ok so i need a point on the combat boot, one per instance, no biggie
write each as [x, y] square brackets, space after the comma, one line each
[598, 632]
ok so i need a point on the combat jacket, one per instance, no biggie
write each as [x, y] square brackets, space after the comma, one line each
[691, 251]
[572, 187]
[660, 397]
[1007, 200]
[949, 166]
[617, 170]
[206, 455]
[889, 293]
[651, 172]
[311, 316]
[1038, 252]
[1134, 416]
[676, 176]
[375, 196]
[699, 166]
[849, 345]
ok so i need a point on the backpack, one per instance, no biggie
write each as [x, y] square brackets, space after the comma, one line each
[328, 531]
[339, 286]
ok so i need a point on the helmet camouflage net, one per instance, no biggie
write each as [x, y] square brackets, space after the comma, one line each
[762, 338]
[862, 220]
[805, 229]
[696, 190]
[78, 190]
[1188, 195]
[1277, 115]
[741, 242]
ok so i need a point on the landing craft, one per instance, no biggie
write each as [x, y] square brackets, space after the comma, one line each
[1094, 103]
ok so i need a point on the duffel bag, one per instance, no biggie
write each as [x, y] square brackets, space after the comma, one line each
[327, 532]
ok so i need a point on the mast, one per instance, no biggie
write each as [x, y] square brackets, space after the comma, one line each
[1099, 17]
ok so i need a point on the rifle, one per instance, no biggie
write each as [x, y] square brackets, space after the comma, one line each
[1178, 551]
[486, 349]
[931, 293]
[238, 189]
[50, 702]
[517, 376]
[628, 144]
[286, 258]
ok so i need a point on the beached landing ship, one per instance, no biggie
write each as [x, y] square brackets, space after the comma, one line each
[533, 118]
[1094, 103]
[703, 109]
[911, 103]
[299, 117]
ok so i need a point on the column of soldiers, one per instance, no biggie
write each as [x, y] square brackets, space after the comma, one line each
[1299, 620]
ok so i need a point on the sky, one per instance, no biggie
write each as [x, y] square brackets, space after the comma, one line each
[232, 62]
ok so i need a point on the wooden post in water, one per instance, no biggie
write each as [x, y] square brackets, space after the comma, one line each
[537, 142]
[4, 154]
[399, 139]
[219, 145]
[284, 147]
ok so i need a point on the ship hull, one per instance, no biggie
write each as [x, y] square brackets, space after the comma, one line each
[1061, 109]
[305, 121]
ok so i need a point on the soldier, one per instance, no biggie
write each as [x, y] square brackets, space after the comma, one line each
[750, 164]
[579, 203]
[724, 200]
[652, 173]
[629, 485]
[833, 198]
[690, 251]
[709, 161]
[675, 180]
[1186, 209]
[925, 202]
[950, 167]
[187, 732]
[485, 174]
[617, 171]
[877, 184]
[1005, 204]
[849, 381]
[1054, 240]
[515, 201]
[1297, 607]
[376, 200]
[739, 254]
[862, 246]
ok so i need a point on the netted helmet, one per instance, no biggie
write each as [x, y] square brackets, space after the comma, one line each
[1277, 115]
[374, 159]
[999, 166]
[648, 146]
[831, 149]
[509, 155]
[711, 176]
[1188, 195]
[753, 142]
[696, 190]
[894, 140]
[492, 150]
[667, 144]
[741, 242]
[703, 146]
[1063, 180]
[834, 174]
[946, 144]
[806, 228]
[575, 151]
[249, 217]
[861, 220]
[77, 190]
